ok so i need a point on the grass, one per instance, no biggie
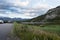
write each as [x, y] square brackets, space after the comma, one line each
[31, 32]
[51, 28]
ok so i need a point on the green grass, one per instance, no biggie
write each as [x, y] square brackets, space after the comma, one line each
[51, 28]
[31, 32]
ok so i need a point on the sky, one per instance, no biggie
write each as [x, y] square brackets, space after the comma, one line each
[26, 8]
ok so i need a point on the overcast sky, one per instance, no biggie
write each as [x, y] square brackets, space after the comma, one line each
[26, 8]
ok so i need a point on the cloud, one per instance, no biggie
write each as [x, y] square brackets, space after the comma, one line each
[30, 14]
[4, 7]
[42, 6]
[15, 15]
[18, 2]
[22, 8]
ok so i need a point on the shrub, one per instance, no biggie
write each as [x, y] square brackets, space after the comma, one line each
[25, 32]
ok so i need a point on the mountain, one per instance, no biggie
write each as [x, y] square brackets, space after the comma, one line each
[52, 15]
[6, 19]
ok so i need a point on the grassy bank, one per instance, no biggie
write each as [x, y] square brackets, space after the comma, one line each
[31, 32]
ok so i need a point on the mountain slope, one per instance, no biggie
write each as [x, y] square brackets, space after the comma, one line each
[52, 15]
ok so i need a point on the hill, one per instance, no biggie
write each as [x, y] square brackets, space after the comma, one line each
[52, 15]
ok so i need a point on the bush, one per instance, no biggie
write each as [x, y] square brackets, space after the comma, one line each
[25, 32]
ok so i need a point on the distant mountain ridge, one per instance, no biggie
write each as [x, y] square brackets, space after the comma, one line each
[11, 19]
